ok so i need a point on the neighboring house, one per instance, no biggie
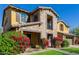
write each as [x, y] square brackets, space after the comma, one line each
[38, 24]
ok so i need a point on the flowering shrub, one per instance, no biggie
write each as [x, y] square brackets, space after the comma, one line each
[46, 43]
[58, 38]
[23, 42]
[58, 41]
[13, 43]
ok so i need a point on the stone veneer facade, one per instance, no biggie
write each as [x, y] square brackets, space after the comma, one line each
[40, 26]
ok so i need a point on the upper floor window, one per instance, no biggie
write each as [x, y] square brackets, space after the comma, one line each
[49, 22]
[61, 27]
[35, 19]
[21, 17]
[24, 17]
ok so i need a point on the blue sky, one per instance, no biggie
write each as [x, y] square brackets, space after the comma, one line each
[67, 12]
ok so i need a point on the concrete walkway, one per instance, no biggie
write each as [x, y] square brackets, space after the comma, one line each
[43, 50]
[74, 46]
[65, 52]
[34, 51]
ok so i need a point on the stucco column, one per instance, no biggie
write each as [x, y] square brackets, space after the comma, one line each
[64, 37]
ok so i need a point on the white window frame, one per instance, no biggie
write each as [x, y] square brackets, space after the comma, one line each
[20, 18]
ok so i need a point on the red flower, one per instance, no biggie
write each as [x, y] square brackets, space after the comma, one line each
[20, 38]
[26, 39]
[21, 46]
[24, 42]
[58, 38]
[47, 43]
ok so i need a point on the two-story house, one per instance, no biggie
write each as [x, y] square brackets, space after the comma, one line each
[38, 24]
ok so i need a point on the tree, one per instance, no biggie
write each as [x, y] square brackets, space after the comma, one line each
[0, 30]
[75, 31]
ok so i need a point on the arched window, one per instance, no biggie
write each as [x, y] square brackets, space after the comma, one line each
[61, 27]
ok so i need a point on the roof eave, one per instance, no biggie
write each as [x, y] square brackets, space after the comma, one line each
[40, 8]
[11, 6]
[64, 23]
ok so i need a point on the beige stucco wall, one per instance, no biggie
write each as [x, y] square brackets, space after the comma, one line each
[68, 39]
[66, 29]
[13, 18]
[33, 28]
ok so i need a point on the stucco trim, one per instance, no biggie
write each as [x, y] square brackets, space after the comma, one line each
[29, 30]
[69, 34]
[27, 24]
[13, 7]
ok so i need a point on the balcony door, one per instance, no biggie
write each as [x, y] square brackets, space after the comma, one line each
[49, 22]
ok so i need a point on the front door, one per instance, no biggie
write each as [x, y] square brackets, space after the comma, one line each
[50, 37]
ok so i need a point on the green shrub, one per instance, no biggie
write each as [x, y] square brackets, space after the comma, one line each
[7, 44]
[65, 43]
[16, 45]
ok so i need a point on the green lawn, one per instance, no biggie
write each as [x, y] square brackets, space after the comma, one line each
[50, 52]
[72, 50]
